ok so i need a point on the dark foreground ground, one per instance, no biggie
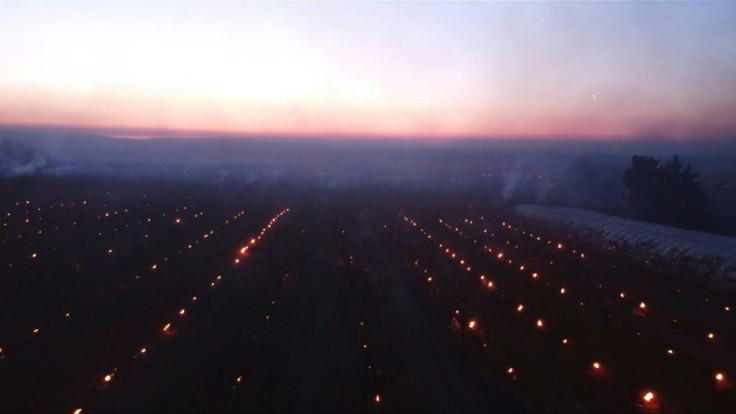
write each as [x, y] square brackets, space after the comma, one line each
[139, 296]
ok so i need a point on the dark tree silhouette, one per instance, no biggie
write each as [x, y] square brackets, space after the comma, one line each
[667, 193]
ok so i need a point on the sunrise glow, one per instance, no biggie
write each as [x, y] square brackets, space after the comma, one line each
[455, 70]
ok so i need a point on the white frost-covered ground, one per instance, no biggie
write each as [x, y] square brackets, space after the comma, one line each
[665, 240]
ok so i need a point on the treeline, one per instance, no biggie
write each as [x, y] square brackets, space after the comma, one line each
[667, 193]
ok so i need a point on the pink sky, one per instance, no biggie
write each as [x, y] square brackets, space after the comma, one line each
[598, 70]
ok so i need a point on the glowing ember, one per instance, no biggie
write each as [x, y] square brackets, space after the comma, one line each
[167, 327]
[564, 341]
[720, 377]
[182, 311]
[648, 397]
[143, 350]
[471, 324]
[540, 323]
[711, 335]
[239, 379]
[596, 365]
[378, 398]
[510, 370]
[77, 411]
[520, 308]
[670, 352]
[108, 378]
[642, 305]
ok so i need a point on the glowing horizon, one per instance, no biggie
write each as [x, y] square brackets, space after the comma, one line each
[470, 70]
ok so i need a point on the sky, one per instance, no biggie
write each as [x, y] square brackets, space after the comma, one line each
[592, 70]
